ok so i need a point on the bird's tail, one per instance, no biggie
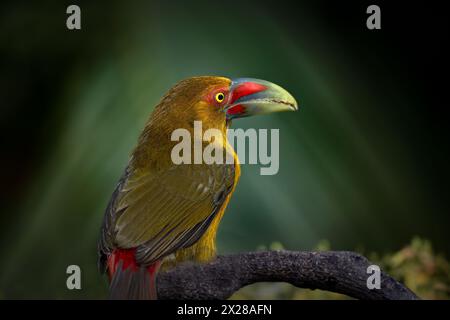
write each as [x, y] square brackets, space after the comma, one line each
[128, 280]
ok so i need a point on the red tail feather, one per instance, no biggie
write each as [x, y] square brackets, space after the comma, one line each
[128, 280]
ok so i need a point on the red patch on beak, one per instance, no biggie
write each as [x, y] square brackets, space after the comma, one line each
[245, 89]
[237, 109]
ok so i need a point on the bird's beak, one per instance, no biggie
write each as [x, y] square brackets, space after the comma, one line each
[253, 96]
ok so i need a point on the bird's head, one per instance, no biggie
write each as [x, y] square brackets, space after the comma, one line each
[214, 101]
[217, 100]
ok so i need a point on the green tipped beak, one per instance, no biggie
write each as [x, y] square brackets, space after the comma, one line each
[253, 96]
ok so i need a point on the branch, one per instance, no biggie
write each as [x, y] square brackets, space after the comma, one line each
[337, 271]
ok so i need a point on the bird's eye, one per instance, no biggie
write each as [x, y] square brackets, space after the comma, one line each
[220, 97]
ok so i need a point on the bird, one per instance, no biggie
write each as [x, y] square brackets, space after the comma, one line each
[162, 213]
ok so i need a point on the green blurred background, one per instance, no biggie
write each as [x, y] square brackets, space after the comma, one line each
[363, 164]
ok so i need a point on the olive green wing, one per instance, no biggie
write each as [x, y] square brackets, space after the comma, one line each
[162, 212]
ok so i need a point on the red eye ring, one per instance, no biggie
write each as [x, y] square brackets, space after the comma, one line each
[217, 96]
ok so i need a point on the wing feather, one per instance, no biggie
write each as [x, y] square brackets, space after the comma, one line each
[161, 212]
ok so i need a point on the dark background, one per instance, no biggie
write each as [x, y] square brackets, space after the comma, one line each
[364, 163]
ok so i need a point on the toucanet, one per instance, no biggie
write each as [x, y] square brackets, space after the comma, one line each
[162, 213]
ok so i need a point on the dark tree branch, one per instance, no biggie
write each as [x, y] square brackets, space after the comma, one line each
[336, 271]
